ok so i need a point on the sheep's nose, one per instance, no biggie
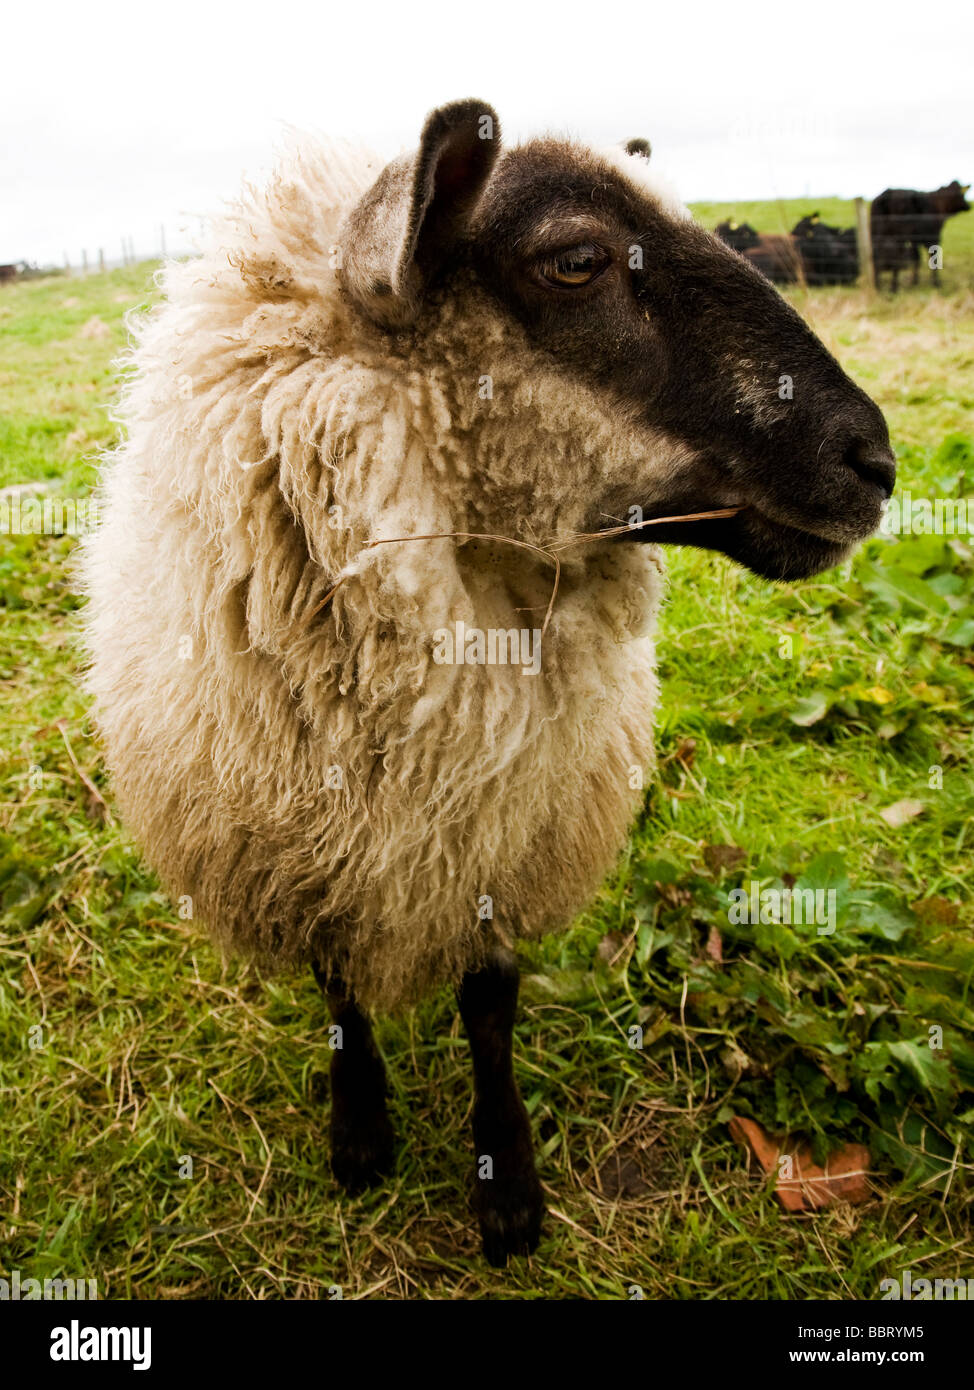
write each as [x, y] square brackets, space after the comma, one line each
[873, 464]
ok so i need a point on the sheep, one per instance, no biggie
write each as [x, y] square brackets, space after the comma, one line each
[384, 403]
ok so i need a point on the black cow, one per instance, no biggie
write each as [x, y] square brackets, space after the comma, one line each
[737, 234]
[903, 221]
[829, 255]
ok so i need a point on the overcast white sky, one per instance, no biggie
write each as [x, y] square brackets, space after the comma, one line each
[115, 118]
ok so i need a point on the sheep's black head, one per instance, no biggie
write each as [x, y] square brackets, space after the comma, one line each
[726, 396]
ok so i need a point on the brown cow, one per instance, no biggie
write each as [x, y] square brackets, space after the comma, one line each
[776, 257]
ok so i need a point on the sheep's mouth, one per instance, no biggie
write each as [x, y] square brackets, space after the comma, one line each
[766, 546]
[777, 531]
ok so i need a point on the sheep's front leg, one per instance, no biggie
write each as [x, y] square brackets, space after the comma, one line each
[361, 1135]
[507, 1198]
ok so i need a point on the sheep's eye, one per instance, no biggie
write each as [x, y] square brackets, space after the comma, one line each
[578, 266]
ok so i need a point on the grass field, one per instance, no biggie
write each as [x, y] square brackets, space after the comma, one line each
[128, 1047]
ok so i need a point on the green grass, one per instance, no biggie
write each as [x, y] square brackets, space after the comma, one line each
[151, 1050]
[58, 338]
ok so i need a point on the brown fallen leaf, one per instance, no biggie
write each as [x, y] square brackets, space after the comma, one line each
[622, 1176]
[719, 857]
[801, 1185]
[610, 946]
[902, 811]
[96, 810]
[734, 1060]
[937, 911]
[672, 894]
[685, 752]
[714, 946]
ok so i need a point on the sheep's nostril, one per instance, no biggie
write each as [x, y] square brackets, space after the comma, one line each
[873, 465]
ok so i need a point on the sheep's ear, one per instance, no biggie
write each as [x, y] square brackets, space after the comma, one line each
[396, 236]
[639, 146]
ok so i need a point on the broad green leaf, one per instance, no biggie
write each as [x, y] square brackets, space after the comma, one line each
[809, 709]
[928, 1067]
[896, 587]
[959, 633]
[879, 916]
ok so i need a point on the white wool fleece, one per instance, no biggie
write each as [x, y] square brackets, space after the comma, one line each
[317, 785]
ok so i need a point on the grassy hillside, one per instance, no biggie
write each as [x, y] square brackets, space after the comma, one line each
[793, 715]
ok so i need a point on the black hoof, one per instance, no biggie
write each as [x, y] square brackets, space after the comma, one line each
[362, 1154]
[510, 1212]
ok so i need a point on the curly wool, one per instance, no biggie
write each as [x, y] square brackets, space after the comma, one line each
[315, 783]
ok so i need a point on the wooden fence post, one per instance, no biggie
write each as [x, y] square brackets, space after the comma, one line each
[865, 243]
